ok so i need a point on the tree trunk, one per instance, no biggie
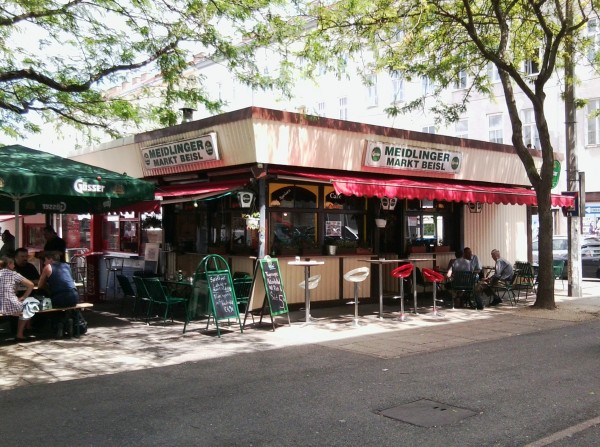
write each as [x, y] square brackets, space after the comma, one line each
[545, 289]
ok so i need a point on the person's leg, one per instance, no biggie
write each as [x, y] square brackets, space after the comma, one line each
[21, 328]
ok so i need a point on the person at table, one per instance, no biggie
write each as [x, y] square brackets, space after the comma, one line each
[24, 267]
[458, 264]
[474, 260]
[8, 247]
[56, 277]
[10, 304]
[503, 273]
[54, 243]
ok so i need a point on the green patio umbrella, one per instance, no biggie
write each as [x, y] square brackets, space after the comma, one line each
[33, 182]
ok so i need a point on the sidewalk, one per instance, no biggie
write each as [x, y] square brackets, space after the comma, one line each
[116, 345]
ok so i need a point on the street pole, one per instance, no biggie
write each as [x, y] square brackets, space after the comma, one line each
[573, 222]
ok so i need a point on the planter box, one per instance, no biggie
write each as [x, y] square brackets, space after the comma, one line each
[418, 249]
[217, 250]
[364, 251]
[442, 248]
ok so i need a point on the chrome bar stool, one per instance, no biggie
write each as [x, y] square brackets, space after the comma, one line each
[313, 282]
[435, 278]
[114, 267]
[402, 272]
[357, 275]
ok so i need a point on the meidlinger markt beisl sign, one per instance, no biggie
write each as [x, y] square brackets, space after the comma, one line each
[387, 155]
[177, 153]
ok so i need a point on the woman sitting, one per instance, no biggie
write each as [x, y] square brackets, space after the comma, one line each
[10, 304]
[57, 275]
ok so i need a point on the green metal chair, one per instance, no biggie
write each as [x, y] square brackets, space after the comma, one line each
[140, 295]
[463, 283]
[159, 294]
[525, 280]
[128, 291]
[558, 267]
[242, 286]
[504, 288]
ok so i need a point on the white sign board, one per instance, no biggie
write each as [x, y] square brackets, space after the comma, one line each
[183, 152]
[387, 155]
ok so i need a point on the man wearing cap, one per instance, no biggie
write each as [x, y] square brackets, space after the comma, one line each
[54, 243]
[8, 247]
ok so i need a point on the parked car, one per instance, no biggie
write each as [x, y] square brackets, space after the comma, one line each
[590, 254]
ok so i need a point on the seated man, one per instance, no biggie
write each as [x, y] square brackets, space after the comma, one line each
[462, 264]
[24, 267]
[503, 273]
[474, 260]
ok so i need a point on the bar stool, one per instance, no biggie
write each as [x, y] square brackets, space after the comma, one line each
[114, 267]
[435, 278]
[313, 282]
[402, 272]
[357, 275]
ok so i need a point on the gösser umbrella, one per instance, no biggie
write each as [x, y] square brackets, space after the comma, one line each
[33, 182]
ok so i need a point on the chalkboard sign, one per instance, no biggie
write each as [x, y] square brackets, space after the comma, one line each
[273, 286]
[222, 295]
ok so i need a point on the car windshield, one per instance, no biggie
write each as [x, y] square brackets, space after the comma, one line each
[560, 244]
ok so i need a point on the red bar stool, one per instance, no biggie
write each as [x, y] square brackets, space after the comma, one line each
[402, 272]
[435, 278]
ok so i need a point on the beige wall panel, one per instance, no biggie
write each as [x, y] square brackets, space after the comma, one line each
[120, 159]
[311, 146]
[497, 226]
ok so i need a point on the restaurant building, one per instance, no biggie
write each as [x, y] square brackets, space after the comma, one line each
[257, 182]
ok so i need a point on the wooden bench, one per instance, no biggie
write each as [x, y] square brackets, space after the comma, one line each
[78, 306]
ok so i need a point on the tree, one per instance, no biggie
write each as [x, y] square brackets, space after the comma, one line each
[58, 57]
[441, 39]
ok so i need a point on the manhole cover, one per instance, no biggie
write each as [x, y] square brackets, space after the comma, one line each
[427, 413]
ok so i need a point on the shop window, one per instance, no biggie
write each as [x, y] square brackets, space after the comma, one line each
[292, 196]
[291, 232]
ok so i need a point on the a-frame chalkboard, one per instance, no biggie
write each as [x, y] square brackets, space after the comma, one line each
[274, 290]
[223, 301]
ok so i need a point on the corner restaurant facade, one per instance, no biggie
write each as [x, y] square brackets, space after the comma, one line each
[315, 182]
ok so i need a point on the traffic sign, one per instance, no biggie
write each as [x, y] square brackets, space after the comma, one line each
[592, 210]
[555, 173]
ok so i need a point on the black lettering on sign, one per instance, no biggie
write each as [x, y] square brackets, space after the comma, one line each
[222, 295]
[274, 286]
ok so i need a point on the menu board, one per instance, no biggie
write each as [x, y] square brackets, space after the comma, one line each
[273, 286]
[222, 296]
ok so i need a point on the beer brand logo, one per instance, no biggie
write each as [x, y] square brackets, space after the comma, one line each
[59, 207]
[376, 154]
[81, 186]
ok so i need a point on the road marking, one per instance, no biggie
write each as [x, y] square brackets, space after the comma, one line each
[565, 433]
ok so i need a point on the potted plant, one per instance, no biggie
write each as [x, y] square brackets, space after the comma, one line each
[363, 248]
[252, 220]
[311, 247]
[151, 221]
[346, 247]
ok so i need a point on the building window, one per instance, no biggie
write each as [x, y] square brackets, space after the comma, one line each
[495, 128]
[321, 111]
[530, 133]
[461, 80]
[429, 129]
[372, 91]
[593, 32]
[397, 87]
[493, 73]
[593, 122]
[426, 85]
[461, 128]
[531, 66]
[344, 108]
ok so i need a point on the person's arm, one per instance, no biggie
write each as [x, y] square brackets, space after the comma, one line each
[46, 272]
[29, 288]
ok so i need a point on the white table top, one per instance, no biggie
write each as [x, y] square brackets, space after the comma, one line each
[306, 263]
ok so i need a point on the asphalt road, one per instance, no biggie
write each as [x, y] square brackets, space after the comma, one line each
[522, 389]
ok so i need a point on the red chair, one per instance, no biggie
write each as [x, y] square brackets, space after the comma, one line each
[435, 278]
[402, 272]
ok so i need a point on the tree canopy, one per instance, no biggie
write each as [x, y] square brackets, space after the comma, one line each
[58, 58]
[523, 43]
